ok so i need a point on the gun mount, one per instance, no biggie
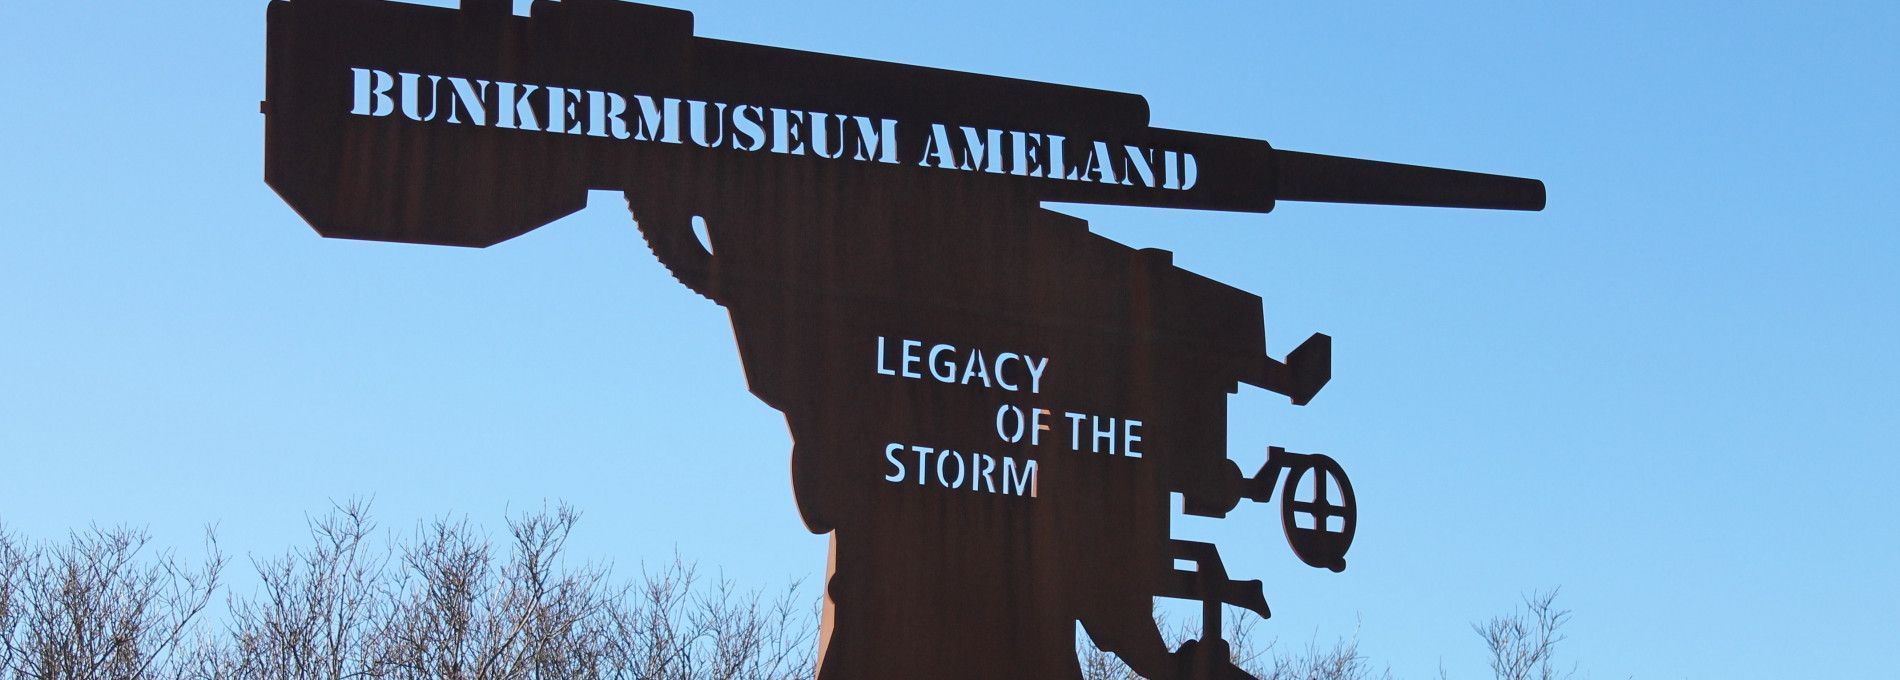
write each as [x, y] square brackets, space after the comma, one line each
[991, 406]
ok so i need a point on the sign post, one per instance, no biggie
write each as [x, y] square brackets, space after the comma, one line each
[991, 406]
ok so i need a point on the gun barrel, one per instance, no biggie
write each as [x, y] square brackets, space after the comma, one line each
[1249, 175]
[1336, 179]
[402, 122]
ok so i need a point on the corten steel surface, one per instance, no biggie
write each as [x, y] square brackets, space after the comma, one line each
[896, 290]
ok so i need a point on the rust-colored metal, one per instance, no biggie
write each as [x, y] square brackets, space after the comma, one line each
[991, 406]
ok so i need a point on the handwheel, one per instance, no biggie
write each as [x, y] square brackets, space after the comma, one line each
[1319, 546]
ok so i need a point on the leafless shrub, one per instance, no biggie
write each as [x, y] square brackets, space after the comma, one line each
[13, 565]
[1100, 665]
[94, 607]
[1341, 661]
[445, 604]
[454, 612]
[1523, 643]
[719, 633]
[315, 609]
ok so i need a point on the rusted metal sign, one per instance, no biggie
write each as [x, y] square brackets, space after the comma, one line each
[990, 405]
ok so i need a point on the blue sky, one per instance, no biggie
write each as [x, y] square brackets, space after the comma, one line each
[1671, 393]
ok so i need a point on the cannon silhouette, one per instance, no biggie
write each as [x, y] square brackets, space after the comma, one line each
[991, 407]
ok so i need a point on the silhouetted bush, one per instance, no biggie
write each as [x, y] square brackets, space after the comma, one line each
[443, 603]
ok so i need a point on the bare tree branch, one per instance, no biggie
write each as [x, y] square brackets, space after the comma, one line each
[445, 603]
[1523, 643]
